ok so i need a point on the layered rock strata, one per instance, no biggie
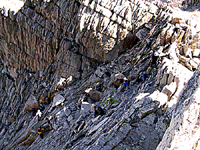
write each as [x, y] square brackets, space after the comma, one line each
[35, 34]
[161, 46]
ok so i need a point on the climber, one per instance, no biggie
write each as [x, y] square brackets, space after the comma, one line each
[143, 78]
[156, 58]
[40, 132]
[39, 114]
[98, 111]
[33, 111]
[111, 100]
[42, 107]
[126, 82]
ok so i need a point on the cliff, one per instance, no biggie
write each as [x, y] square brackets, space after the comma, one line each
[71, 55]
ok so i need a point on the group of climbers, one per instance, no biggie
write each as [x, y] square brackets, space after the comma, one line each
[142, 77]
[38, 113]
[97, 109]
[100, 111]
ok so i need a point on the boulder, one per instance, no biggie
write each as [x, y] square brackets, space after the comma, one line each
[99, 73]
[196, 52]
[169, 89]
[57, 100]
[93, 94]
[119, 76]
[31, 103]
[43, 98]
[117, 82]
[85, 108]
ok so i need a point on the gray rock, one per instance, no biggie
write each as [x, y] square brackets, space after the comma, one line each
[57, 100]
[31, 103]
[87, 43]
[94, 95]
[183, 113]
[67, 111]
[85, 109]
[92, 130]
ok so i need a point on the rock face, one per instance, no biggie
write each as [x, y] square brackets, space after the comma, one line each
[184, 125]
[69, 55]
[75, 30]
[31, 103]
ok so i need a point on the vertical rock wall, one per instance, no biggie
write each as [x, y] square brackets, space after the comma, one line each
[33, 35]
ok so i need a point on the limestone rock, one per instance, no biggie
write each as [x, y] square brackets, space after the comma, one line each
[186, 110]
[57, 100]
[196, 52]
[94, 95]
[31, 103]
[97, 126]
[99, 73]
[160, 97]
[94, 44]
[169, 90]
[85, 109]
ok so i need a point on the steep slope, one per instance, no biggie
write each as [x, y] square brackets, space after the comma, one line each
[166, 52]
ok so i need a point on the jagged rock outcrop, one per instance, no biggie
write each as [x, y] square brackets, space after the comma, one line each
[41, 32]
[183, 131]
[135, 39]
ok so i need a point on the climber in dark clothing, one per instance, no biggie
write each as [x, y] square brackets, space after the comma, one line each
[34, 111]
[98, 111]
[42, 107]
[40, 132]
[141, 78]
[125, 83]
[154, 59]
